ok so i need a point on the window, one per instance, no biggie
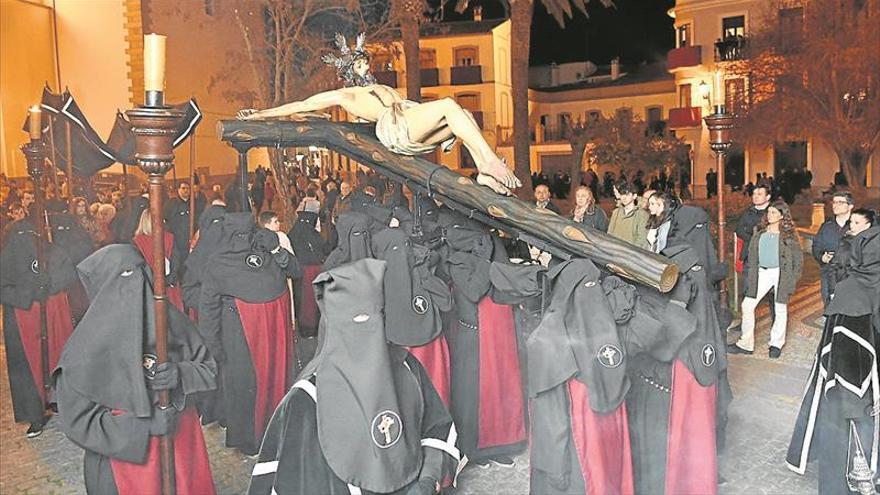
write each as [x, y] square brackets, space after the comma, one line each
[733, 27]
[791, 28]
[684, 96]
[469, 101]
[594, 115]
[624, 113]
[654, 114]
[209, 7]
[735, 94]
[683, 36]
[466, 56]
[427, 59]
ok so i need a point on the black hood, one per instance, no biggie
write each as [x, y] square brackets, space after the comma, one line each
[103, 359]
[360, 379]
[238, 268]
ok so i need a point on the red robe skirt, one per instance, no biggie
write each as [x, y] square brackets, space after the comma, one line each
[59, 326]
[192, 471]
[434, 357]
[267, 330]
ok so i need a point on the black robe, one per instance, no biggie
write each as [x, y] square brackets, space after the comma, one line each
[176, 217]
[677, 373]
[126, 221]
[482, 347]
[24, 285]
[577, 383]
[234, 277]
[311, 249]
[326, 436]
[842, 396]
[104, 404]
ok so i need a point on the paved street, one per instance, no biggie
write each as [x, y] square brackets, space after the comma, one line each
[767, 394]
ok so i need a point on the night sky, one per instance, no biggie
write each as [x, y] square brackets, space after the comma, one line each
[635, 30]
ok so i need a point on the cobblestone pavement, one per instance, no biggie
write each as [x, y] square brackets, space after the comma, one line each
[767, 395]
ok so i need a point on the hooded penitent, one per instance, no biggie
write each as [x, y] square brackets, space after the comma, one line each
[311, 250]
[210, 231]
[363, 416]
[244, 317]
[577, 383]
[679, 394]
[486, 399]
[355, 243]
[410, 277]
[842, 396]
[103, 399]
[24, 287]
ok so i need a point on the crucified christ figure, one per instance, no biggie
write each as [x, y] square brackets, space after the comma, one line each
[403, 126]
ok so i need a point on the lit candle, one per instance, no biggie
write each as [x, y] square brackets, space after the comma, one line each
[718, 89]
[35, 123]
[154, 62]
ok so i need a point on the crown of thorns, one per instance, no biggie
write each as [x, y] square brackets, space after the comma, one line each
[344, 62]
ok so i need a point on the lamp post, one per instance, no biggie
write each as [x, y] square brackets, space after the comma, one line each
[720, 123]
[154, 127]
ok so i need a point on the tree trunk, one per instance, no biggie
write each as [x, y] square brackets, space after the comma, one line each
[409, 31]
[521, 26]
[855, 167]
[546, 230]
[578, 145]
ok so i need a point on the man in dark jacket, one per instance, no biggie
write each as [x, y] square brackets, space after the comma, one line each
[828, 239]
[747, 223]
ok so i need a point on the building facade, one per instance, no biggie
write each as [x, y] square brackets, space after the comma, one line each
[709, 35]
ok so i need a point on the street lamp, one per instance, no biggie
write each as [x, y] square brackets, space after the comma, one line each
[719, 123]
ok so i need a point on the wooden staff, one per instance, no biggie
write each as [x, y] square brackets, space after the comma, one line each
[154, 126]
[68, 152]
[52, 155]
[35, 153]
[192, 188]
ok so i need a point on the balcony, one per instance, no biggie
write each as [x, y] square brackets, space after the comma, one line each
[430, 77]
[466, 74]
[730, 49]
[686, 56]
[386, 77]
[680, 118]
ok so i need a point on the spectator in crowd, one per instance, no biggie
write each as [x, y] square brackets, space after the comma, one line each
[343, 201]
[628, 221]
[586, 211]
[28, 201]
[79, 208]
[270, 190]
[542, 199]
[105, 215]
[747, 223]
[827, 239]
[660, 207]
[711, 183]
[775, 262]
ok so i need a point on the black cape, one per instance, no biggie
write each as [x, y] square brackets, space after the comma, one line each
[370, 420]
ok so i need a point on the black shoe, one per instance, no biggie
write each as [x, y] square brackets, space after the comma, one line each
[35, 430]
[775, 352]
[735, 349]
[503, 461]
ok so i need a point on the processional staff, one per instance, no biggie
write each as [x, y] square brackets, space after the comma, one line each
[154, 126]
[35, 153]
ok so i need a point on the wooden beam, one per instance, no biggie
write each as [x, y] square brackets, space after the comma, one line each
[542, 228]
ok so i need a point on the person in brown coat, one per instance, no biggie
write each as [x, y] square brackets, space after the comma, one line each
[775, 262]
